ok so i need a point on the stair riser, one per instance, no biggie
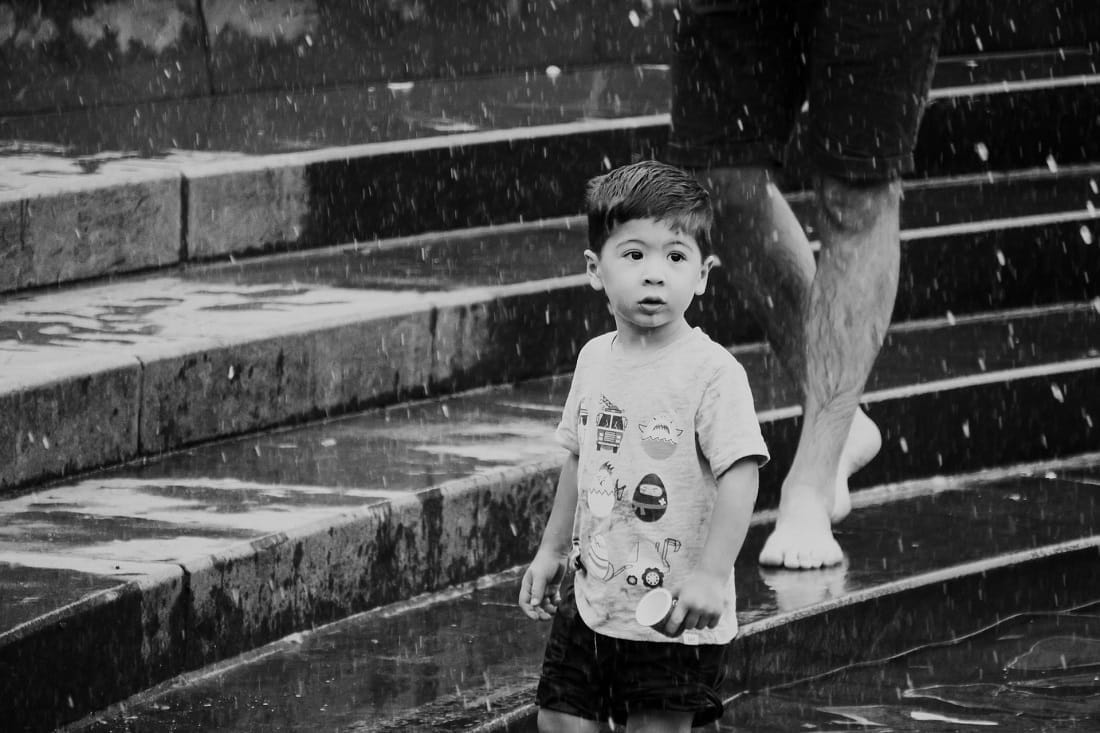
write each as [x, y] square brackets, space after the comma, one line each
[292, 581]
[320, 202]
[403, 194]
[138, 636]
[961, 430]
[86, 657]
[172, 402]
[910, 618]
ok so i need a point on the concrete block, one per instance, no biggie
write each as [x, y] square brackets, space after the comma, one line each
[367, 558]
[88, 655]
[97, 230]
[63, 55]
[73, 424]
[13, 256]
[310, 43]
[237, 207]
[217, 392]
[528, 330]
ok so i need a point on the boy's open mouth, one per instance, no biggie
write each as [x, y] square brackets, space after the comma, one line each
[652, 301]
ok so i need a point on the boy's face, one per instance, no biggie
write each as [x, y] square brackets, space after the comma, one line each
[650, 273]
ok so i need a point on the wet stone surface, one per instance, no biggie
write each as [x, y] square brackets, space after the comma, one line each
[1035, 673]
[390, 669]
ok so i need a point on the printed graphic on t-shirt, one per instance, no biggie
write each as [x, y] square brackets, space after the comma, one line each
[652, 565]
[645, 563]
[606, 490]
[610, 426]
[660, 435]
[650, 498]
[599, 563]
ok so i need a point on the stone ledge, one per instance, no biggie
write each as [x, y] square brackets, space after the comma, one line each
[164, 624]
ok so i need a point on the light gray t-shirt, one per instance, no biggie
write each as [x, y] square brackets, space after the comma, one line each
[652, 431]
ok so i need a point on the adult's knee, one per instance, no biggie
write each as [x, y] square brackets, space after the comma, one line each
[856, 207]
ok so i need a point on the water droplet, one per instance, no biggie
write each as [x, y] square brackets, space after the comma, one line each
[553, 71]
[966, 428]
[1086, 234]
[1052, 164]
[904, 444]
[950, 318]
[1057, 392]
[982, 151]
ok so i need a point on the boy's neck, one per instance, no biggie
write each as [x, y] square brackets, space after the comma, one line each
[634, 340]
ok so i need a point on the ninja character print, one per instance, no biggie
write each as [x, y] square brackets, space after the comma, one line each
[650, 498]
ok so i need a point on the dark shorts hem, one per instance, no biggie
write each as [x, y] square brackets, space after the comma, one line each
[596, 677]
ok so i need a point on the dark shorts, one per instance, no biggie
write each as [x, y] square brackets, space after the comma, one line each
[744, 69]
[597, 677]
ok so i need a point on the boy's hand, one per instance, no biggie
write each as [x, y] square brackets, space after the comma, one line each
[538, 594]
[700, 600]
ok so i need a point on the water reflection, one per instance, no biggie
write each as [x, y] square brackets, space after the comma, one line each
[1031, 673]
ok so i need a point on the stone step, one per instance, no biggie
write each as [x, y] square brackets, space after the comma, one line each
[154, 569]
[927, 561]
[62, 56]
[108, 373]
[128, 188]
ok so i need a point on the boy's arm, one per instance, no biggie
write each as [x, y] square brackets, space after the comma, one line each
[729, 521]
[538, 594]
[700, 598]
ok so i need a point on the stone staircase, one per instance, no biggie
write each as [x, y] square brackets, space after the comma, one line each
[247, 394]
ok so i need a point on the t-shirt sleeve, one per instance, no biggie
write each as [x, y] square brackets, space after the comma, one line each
[726, 424]
[566, 434]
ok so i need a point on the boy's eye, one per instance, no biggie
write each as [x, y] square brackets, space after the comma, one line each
[633, 254]
[677, 256]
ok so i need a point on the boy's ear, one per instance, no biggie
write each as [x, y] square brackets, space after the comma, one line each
[709, 263]
[592, 267]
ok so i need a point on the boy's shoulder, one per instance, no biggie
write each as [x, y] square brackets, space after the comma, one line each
[596, 346]
[707, 353]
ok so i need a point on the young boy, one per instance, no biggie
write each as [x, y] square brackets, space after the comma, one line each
[660, 481]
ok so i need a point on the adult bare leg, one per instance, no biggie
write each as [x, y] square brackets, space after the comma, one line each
[848, 312]
[766, 251]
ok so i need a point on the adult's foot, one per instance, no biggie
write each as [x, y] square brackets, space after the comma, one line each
[863, 444]
[803, 535]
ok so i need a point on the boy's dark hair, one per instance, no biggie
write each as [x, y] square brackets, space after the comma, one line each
[648, 190]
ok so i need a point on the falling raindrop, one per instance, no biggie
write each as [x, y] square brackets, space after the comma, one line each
[1000, 258]
[553, 71]
[1086, 234]
[966, 428]
[982, 151]
[950, 318]
[1057, 392]
[1052, 164]
[904, 444]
